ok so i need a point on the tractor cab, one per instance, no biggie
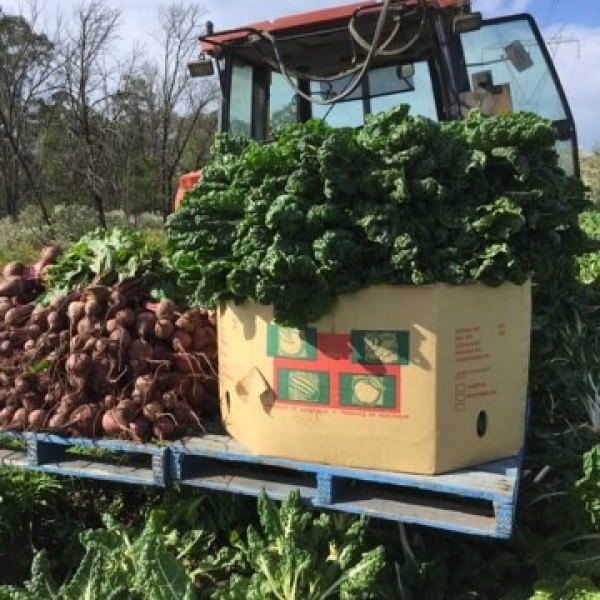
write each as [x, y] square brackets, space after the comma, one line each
[344, 63]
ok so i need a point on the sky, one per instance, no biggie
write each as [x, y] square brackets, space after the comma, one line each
[571, 29]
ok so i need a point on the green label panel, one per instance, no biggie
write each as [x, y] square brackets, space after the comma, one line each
[303, 386]
[368, 391]
[287, 342]
[380, 347]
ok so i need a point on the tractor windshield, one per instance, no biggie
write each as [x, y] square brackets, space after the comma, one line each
[338, 65]
[440, 63]
[381, 89]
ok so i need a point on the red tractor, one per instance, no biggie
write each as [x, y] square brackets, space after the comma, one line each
[341, 64]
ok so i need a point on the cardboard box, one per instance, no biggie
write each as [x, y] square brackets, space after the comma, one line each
[421, 379]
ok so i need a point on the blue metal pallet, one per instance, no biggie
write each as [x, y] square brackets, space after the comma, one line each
[477, 501]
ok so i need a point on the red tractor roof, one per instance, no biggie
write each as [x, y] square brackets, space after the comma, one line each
[326, 15]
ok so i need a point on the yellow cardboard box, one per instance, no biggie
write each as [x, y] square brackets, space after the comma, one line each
[420, 379]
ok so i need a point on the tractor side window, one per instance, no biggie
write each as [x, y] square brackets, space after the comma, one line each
[509, 69]
[283, 107]
[565, 156]
[506, 60]
[240, 105]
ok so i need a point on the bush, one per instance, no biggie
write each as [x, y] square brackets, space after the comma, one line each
[589, 264]
[70, 222]
[146, 220]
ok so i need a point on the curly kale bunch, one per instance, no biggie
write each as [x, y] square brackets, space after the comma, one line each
[320, 212]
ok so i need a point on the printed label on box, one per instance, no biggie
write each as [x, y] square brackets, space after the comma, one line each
[360, 371]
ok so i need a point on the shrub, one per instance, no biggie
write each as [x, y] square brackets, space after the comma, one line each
[70, 222]
[145, 220]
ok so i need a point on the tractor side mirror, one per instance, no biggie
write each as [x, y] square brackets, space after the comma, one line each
[202, 67]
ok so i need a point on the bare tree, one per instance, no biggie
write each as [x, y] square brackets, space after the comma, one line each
[98, 128]
[90, 78]
[179, 102]
[28, 70]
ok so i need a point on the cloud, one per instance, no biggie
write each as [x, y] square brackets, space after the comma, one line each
[498, 8]
[576, 52]
[234, 13]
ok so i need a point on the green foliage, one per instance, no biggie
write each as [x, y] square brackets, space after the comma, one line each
[320, 211]
[555, 549]
[139, 221]
[20, 493]
[18, 251]
[206, 546]
[31, 506]
[203, 527]
[300, 556]
[590, 173]
[589, 485]
[565, 369]
[589, 263]
[296, 555]
[69, 223]
[115, 566]
[559, 531]
[199, 238]
[564, 353]
[575, 588]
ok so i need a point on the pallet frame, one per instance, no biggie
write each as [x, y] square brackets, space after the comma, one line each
[476, 501]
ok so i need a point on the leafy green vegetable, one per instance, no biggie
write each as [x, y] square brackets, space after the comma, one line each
[320, 212]
[575, 588]
[299, 556]
[115, 566]
[589, 485]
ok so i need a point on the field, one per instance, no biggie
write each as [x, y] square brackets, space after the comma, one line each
[65, 538]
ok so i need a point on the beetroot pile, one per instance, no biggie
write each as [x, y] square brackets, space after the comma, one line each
[103, 361]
